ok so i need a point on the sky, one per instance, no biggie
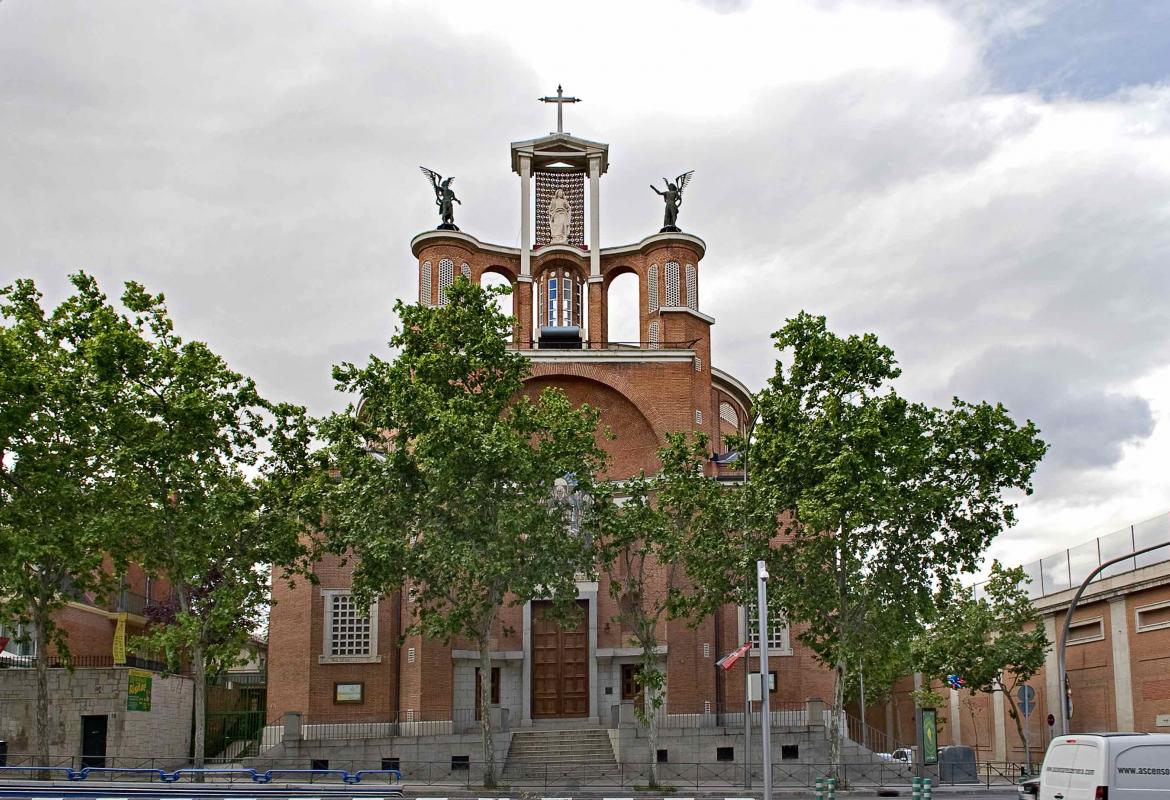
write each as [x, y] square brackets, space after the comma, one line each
[985, 185]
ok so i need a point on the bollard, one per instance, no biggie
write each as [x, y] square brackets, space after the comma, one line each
[820, 794]
[926, 788]
[832, 782]
[916, 789]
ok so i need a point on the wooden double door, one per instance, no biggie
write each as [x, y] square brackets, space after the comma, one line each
[560, 664]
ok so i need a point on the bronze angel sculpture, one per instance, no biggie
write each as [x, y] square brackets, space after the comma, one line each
[444, 198]
[673, 198]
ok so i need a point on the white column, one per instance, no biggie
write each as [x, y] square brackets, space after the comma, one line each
[953, 722]
[1122, 679]
[1052, 693]
[595, 215]
[525, 216]
[998, 732]
[526, 667]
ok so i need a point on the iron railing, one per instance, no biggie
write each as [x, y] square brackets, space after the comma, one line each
[82, 662]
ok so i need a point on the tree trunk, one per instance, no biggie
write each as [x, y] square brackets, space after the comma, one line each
[40, 626]
[652, 737]
[198, 673]
[836, 734]
[485, 716]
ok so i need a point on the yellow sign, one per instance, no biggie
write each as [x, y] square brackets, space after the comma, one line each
[138, 686]
[120, 640]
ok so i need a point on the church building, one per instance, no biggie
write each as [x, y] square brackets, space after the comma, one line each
[328, 664]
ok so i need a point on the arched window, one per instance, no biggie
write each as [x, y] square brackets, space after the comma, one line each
[654, 335]
[446, 278]
[672, 290]
[466, 270]
[552, 301]
[424, 284]
[623, 315]
[563, 298]
[692, 288]
[652, 288]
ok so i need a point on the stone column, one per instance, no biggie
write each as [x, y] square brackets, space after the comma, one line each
[953, 722]
[526, 668]
[525, 216]
[594, 216]
[998, 733]
[1122, 679]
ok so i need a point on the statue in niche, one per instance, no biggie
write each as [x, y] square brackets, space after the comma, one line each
[558, 218]
[444, 198]
[673, 198]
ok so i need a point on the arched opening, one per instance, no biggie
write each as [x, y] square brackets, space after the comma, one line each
[624, 321]
[505, 303]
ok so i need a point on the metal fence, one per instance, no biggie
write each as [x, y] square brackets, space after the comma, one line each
[1067, 568]
[548, 774]
[81, 662]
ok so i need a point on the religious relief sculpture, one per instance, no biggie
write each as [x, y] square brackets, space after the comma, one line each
[673, 198]
[558, 218]
[444, 198]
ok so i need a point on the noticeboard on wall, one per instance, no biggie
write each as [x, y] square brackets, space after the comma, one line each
[138, 687]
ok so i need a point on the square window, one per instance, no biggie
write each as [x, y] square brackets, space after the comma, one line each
[460, 762]
[789, 752]
[390, 763]
[662, 757]
[725, 754]
[319, 763]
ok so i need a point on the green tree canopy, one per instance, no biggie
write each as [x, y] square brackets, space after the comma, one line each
[447, 477]
[881, 499]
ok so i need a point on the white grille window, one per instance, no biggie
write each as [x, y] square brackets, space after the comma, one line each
[692, 287]
[654, 336]
[698, 364]
[446, 278]
[778, 640]
[728, 415]
[424, 284]
[465, 271]
[349, 634]
[698, 417]
[672, 292]
[652, 287]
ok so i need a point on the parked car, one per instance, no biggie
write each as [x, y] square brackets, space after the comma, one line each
[1106, 766]
[1028, 787]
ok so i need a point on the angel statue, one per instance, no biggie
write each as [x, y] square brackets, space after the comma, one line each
[673, 198]
[444, 198]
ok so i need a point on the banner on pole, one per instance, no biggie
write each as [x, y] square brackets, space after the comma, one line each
[138, 686]
[120, 640]
[729, 660]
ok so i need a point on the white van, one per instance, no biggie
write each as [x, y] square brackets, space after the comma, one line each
[1107, 766]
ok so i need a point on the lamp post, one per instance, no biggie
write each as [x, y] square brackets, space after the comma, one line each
[747, 671]
[1072, 606]
[765, 713]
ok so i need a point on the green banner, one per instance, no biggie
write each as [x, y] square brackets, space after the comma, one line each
[929, 736]
[138, 685]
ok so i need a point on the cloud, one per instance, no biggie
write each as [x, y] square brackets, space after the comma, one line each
[866, 160]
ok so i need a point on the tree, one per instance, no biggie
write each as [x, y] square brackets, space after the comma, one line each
[447, 478]
[880, 499]
[672, 555]
[219, 471]
[64, 503]
[995, 642]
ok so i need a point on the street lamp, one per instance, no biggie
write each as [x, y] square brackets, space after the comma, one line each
[765, 712]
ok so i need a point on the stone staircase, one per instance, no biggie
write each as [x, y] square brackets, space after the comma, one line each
[563, 755]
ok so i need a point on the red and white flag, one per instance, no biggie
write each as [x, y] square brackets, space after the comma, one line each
[729, 660]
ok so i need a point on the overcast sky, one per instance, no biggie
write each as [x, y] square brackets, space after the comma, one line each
[984, 184]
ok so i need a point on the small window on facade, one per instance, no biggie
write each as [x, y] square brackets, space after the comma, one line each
[424, 284]
[410, 655]
[1153, 617]
[692, 288]
[465, 271]
[777, 639]
[727, 414]
[725, 754]
[446, 278]
[567, 302]
[789, 752]
[652, 288]
[318, 763]
[662, 756]
[698, 364]
[1087, 630]
[390, 763]
[672, 289]
[552, 301]
[578, 319]
[654, 335]
[348, 634]
[698, 417]
[460, 762]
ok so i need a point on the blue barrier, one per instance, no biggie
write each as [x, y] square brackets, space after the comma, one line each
[186, 772]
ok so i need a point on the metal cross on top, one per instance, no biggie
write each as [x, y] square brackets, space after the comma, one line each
[560, 100]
